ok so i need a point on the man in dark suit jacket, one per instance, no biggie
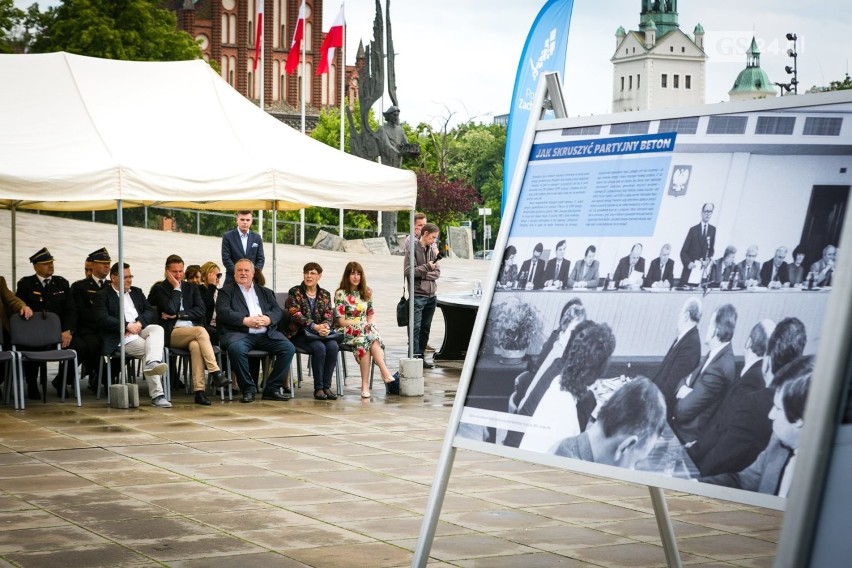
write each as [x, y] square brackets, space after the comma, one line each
[683, 356]
[699, 246]
[628, 268]
[45, 291]
[724, 268]
[247, 316]
[661, 268]
[88, 327]
[700, 393]
[142, 336]
[725, 445]
[182, 314]
[775, 270]
[531, 275]
[749, 268]
[241, 243]
[556, 273]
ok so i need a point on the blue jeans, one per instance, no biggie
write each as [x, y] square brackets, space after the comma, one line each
[281, 349]
[424, 310]
[323, 358]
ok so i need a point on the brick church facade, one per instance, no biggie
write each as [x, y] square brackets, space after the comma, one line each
[226, 31]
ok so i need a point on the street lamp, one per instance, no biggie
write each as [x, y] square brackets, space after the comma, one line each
[794, 82]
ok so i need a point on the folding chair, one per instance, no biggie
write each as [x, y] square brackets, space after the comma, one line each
[42, 331]
[14, 382]
[344, 348]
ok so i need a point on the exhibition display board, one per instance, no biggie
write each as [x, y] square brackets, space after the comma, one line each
[658, 273]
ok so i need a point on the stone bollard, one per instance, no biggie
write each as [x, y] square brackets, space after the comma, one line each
[119, 397]
[411, 377]
[133, 395]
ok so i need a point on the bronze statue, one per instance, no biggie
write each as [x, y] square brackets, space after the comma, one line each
[389, 141]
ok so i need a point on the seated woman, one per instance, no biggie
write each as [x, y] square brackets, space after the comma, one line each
[354, 317]
[311, 318]
[192, 274]
[209, 288]
[796, 269]
[508, 270]
[556, 416]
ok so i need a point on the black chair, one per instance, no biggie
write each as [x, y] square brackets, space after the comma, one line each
[183, 364]
[40, 338]
[11, 376]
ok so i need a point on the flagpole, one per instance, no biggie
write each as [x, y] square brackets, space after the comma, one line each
[304, 81]
[260, 63]
[342, 98]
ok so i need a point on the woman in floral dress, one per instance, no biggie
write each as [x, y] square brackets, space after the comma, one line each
[355, 319]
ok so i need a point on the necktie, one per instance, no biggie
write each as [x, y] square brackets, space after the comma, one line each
[100, 283]
[46, 282]
[697, 371]
[558, 263]
[704, 233]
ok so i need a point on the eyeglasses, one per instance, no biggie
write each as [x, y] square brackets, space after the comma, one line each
[218, 276]
[312, 273]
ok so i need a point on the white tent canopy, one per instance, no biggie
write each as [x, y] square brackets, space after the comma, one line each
[80, 133]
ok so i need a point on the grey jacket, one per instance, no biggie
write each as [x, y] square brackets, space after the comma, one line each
[425, 280]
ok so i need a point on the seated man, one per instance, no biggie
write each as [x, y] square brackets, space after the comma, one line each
[661, 271]
[627, 427]
[772, 471]
[182, 314]
[88, 326]
[630, 271]
[823, 269]
[773, 273]
[141, 336]
[699, 394]
[724, 272]
[749, 269]
[247, 316]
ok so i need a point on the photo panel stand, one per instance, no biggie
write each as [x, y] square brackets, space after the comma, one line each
[548, 97]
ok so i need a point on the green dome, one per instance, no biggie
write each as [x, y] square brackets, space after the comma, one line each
[752, 80]
[620, 31]
[698, 29]
[651, 25]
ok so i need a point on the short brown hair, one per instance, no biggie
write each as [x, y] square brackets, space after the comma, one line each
[173, 259]
[429, 228]
[244, 212]
[312, 266]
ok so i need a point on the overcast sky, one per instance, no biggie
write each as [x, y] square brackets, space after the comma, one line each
[462, 55]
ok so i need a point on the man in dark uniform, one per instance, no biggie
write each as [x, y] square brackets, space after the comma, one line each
[83, 293]
[45, 292]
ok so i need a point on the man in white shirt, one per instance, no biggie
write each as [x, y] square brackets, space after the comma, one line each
[141, 336]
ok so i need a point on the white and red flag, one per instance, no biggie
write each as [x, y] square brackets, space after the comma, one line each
[333, 40]
[296, 44]
[258, 36]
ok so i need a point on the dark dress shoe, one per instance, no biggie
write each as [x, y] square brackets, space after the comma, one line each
[247, 397]
[218, 379]
[329, 394]
[276, 395]
[57, 384]
[201, 398]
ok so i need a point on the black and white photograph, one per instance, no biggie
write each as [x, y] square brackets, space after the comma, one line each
[682, 339]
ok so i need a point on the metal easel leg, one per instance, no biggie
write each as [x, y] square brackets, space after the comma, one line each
[664, 524]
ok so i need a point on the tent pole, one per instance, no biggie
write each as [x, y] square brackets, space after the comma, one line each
[304, 90]
[120, 222]
[14, 283]
[411, 246]
[342, 100]
[274, 244]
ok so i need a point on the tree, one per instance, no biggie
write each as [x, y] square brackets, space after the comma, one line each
[844, 85]
[478, 158]
[445, 202]
[10, 17]
[136, 30]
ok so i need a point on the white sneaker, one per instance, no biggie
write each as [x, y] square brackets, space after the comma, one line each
[161, 402]
[155, 368]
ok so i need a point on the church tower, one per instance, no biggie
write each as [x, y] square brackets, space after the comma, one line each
[752, 82]
[658, 65]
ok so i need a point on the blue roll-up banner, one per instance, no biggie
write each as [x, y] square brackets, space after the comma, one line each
[544, 51]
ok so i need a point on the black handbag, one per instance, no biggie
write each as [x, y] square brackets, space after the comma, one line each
[333, 336]
[402, 310]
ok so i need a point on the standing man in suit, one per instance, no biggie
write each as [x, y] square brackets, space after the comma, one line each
[699, 246]
[182, 314]
[700, 393]
[240, 243]
[46, 292]
[142, 337]
[88, 326]
[661, 269]
[247, 316]
[728, 443]
[631, 269]
[749, 268]
[684, 354]
[823, 269]
[774, 272]
[531, 276]
[556, 272]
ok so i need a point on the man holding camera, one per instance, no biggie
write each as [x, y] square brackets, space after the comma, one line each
[426, 274]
